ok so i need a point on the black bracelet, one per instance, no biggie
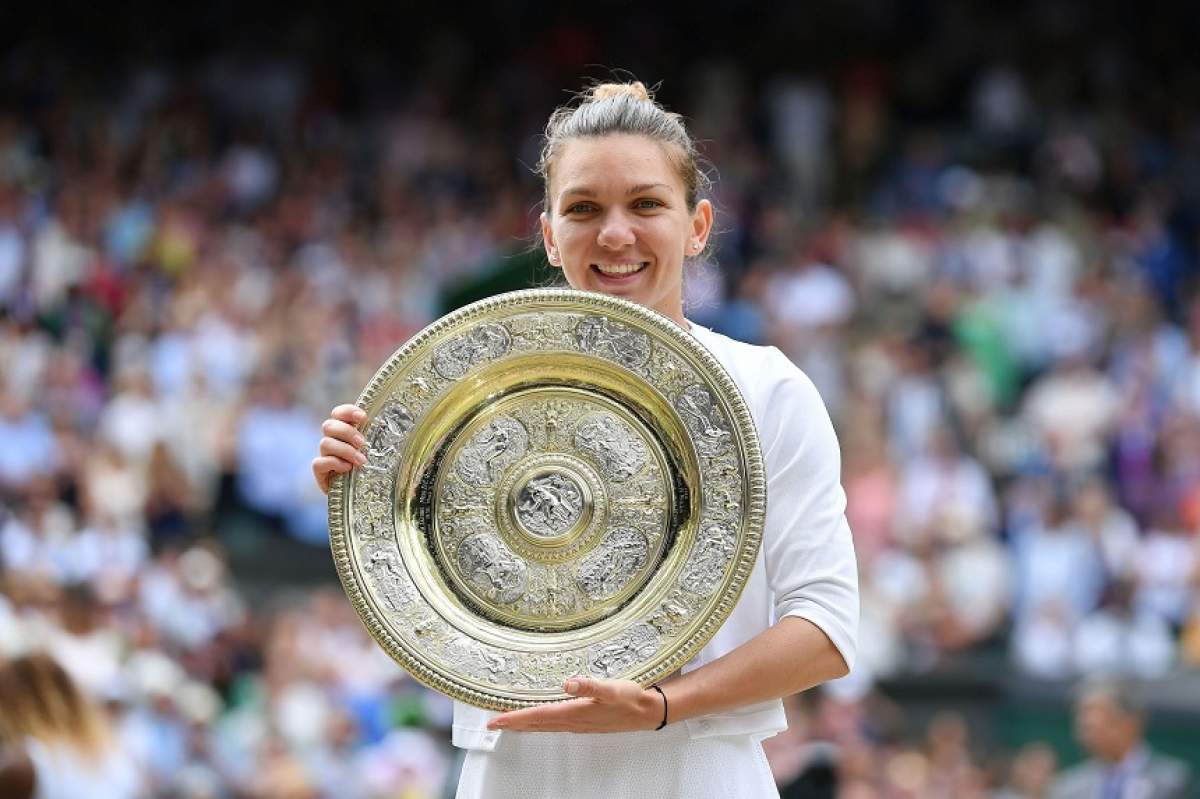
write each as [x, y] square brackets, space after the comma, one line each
[664, 696]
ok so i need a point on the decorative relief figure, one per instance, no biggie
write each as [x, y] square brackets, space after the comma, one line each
[637, 644]
[549, 505]
[373, 495]
[670, 617]
[491, 568]
[711, 553]
[620, 452]
[393, 585]
[601, 336]
[549, 669]
[703, 419]
[491, 450]
[613, 564]
[456, 357]
[540, 331]
[386, 437]
[551, 593]
[482, 661]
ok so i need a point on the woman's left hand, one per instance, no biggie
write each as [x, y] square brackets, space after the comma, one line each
[599, 706]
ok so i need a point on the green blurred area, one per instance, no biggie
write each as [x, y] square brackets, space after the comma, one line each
[519, 269]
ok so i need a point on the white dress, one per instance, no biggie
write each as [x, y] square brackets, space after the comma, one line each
[805, 568]
[62, 772]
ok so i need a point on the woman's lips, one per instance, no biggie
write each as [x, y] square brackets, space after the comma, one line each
[618, 277]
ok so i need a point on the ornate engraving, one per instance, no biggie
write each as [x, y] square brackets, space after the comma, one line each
[670, 617]
[373, 495]
[549, 505]
[620, 453]
[481, 661]
[386, 437]
[491, 568]
[491, 450]
[551, 594]
[391, 581]
[602, 336]
[456, 357]
[541, 331]
[540, 453]
[549, 669]
[711, 553]
[613, 564]
[636, 644]
[703, 418]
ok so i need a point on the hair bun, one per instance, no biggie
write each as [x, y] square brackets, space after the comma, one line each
[636, 90]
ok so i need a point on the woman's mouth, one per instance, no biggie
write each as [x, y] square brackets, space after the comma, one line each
[620, 271]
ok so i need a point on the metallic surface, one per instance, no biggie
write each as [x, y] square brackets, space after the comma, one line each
[558, 483]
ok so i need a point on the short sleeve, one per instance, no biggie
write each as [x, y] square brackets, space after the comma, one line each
[807, 548]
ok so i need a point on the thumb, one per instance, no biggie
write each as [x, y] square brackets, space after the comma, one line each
[581, 686]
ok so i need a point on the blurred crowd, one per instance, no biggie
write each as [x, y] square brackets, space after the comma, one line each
[995, 294]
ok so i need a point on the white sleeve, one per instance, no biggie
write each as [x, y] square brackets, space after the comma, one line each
[807, 549]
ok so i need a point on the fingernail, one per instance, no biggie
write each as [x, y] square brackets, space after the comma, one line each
[360, 442]
[360, 414]
[361, 457]
[572, 686]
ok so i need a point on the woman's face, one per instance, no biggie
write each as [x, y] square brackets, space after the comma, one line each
[618, 221]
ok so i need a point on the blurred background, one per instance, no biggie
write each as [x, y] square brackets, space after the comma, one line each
[976, 226]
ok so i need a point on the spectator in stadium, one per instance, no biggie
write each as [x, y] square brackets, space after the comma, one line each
[65, 734]
[1110, 722]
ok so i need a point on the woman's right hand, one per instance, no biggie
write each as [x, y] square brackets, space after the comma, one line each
[342, 446]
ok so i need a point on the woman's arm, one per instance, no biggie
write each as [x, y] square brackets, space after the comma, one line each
[788, 657]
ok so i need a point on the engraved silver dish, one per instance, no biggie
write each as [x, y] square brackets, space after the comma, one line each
[558, 483]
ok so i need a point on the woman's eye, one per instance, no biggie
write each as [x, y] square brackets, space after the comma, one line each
[579, 208]
[647, 203]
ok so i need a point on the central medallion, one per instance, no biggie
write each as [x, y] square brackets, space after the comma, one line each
[553, 508]
[549, 505]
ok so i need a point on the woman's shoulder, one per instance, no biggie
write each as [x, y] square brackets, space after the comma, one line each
[759, 371]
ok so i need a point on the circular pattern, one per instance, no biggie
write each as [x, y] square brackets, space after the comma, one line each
[550, 504]
[558, 483]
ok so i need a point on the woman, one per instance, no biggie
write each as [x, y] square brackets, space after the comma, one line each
[622, 213]
[63, 733]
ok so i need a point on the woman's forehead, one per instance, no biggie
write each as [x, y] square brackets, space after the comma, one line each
[620, 162]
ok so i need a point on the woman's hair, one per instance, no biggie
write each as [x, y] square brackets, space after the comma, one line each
[623, 108]
[38, 699]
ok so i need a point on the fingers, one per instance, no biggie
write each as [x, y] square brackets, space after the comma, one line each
[350, 414]
[342, 444]
[325, 467]
[343, 431]
[561, 716]
[340, 449]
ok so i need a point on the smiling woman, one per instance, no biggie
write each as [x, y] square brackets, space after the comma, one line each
[618, 220]
[622, 213]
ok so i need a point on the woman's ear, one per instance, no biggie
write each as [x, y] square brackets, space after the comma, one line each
[702, 222]
[548, 241]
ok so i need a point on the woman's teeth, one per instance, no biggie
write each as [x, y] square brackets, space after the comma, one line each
[620, 269]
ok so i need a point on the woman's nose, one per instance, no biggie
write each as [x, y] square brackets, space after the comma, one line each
[616, 232]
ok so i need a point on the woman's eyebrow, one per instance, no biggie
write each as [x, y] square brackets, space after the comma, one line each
[641, 187]
[584, 191]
